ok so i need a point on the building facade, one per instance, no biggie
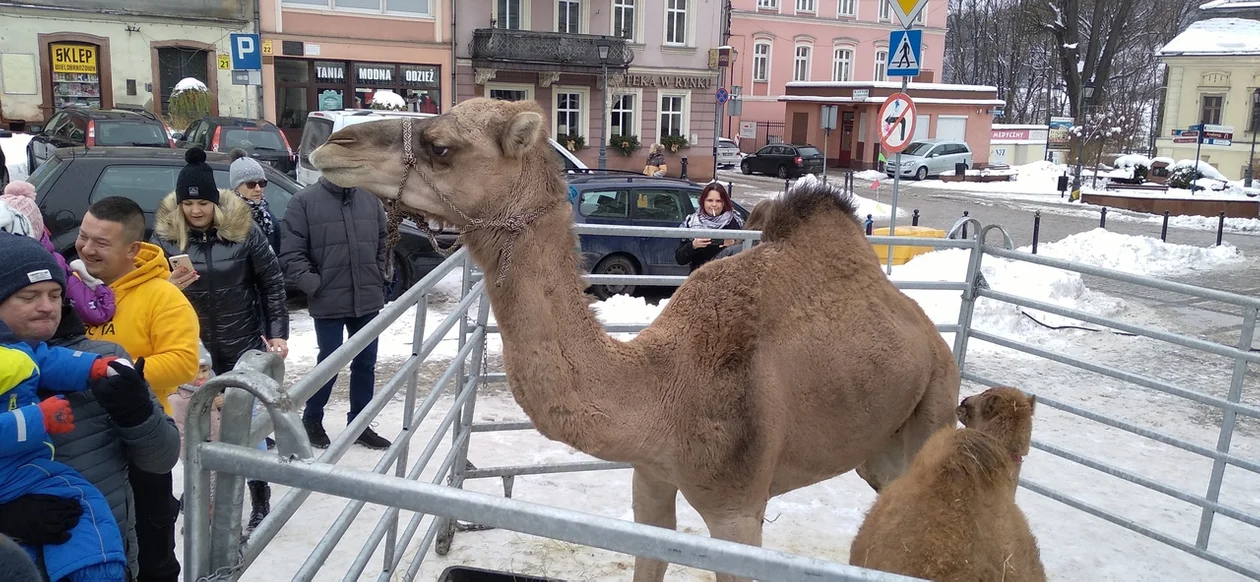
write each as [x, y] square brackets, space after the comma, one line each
[107, 53]
[1213, 78]
[784, 41]
[321, 55]
[661, 77]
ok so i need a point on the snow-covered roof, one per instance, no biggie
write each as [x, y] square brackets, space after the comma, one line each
[1216, 36]
[891, 85]
[1000, 126]
[1229, 5]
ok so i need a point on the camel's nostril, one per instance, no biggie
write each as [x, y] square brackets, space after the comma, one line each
[341, 141]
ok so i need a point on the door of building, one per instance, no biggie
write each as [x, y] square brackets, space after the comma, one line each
[800, 128]
[846, 138]
[177, 63]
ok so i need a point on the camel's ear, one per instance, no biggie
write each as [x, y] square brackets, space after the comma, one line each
[1032, 403]
[521, 133]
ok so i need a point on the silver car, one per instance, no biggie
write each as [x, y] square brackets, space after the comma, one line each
[929, 157]
[727, 153]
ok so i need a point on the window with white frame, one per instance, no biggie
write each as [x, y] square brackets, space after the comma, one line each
[768, 4]
[624, 19]
[621, 120]
[800, 65]
[413, 7]
[509, 14]
[510, 91]
[675, 21]
[569, 16]
[922, 16]
[761, 61]
[807, 5]
[842, 64]
[568, 115]
[672, 119]
[885, 10]
[846, 8]
[881, 65]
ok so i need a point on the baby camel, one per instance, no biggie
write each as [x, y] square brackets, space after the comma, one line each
[952, 516]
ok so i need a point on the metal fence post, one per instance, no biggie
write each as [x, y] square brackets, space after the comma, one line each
[1036, 230]
[1102, 218]
[409, 409]
[1228, 418]
[968, 306]
[966, 213]
[1163, 232]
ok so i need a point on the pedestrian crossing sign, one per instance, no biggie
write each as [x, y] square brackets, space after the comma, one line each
[907, 10]
[906, 53]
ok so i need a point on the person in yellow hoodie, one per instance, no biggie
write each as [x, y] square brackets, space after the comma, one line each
[152, 320]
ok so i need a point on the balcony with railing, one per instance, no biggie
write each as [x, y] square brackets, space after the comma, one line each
[549, 51]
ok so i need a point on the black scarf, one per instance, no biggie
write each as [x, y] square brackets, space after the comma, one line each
[261, 213]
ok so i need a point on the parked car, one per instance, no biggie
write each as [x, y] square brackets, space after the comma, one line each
[783, 160]
[321, 124]
[631, 199]
[727, 153]
[76, 126]
[930, 157]
[260, 138]
[72, 179]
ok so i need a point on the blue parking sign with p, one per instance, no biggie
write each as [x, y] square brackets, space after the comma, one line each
[246, 52]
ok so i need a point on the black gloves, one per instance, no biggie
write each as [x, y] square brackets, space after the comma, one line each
[39, 520]
[125, 395]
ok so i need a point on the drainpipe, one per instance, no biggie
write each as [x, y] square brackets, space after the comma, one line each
[454, 54]
[258, 89]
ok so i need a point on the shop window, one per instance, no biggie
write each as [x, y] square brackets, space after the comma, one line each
[761, 61]
[177, 63]
[292, 71]
[622, 117]
[76, 79]
[676, 22]
[1210, 112]
[673, 115]
[624, 19]
[291, 107]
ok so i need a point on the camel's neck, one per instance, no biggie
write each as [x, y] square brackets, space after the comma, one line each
[575, 382]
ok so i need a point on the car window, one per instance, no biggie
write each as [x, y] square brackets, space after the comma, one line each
[251, 140]
[653, 204]
[314, 135]
[148, 185]
[961, 148]
[605, 203]
[129, 133]
[44, 170]
[64, 127]
[76, 130]
[766, 150]
[808, 152]
[565, 162]
[917, 148]
[51, 127]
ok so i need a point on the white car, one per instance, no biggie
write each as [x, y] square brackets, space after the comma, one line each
[728, 154]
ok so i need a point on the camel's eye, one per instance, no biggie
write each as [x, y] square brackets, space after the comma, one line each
[439, 151]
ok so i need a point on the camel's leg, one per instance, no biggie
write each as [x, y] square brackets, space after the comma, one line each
[655, 503]
[934, 412]
[736, 526]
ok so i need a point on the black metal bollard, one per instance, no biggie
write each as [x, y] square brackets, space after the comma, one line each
[1102, 220]
[730, 189]
[1220, 229]
[966, 213]
[684, 168]
[1163, 232]
[787, 183]
[914, 220]
[1036, 230]
[870, 224]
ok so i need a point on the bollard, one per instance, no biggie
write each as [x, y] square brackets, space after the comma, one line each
[1220, 229]
[1102, 220]
[964, 228]
[684, 168]
[787, 183]
[914, 220]
[730, 189]
[1036, 230]
[1163, 233]
[870, 224]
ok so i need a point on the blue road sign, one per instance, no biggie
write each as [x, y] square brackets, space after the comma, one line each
[722, 95]
[906, 52]
[246, 52]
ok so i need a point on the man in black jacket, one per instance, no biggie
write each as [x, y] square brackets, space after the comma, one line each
[333, 249]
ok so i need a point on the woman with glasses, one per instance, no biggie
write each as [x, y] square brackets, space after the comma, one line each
[249, 182]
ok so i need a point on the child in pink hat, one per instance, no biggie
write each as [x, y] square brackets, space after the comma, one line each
[92, 300]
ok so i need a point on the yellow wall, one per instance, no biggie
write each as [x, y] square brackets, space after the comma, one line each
[1191, 78]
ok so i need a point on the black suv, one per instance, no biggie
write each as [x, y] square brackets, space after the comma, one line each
[260, 138]
[73, 178]
[75, 126]
[783, 160]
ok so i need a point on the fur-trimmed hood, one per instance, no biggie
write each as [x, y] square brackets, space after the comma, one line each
[237, 219]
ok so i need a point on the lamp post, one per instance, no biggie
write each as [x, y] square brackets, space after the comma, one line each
[604, 46]
[1255, 128]
[1087, 93]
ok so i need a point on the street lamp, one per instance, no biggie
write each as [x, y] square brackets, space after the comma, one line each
[605, 46]
[1255, 127]
[1087, 93]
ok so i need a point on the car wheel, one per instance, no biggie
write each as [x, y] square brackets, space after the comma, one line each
[402, 280]
[745, 167]
[30, 161]
[921, 174]
[614, 265]
[783, 172]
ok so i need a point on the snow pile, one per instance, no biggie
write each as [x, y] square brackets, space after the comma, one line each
[870, 175]
[15, 154]
[1205, 169]
[1167, 161]
[387, 99]
[1140, 255]
[188, 84]
[1217, 36]
[1130, 161]
[1040, 178]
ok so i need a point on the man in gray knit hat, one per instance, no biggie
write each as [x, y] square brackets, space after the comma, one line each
[249, 181]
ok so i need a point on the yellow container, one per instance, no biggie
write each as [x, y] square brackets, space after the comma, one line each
[903, 253]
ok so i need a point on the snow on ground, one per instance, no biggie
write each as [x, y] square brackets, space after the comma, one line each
[821, 520]
[15, 154]
[1036, 178]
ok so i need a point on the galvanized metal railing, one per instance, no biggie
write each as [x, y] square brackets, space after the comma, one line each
[260, 375]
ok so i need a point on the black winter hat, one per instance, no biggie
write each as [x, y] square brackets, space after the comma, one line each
[196, 180]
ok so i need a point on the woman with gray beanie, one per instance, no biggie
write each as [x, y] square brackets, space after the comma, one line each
[249, 182]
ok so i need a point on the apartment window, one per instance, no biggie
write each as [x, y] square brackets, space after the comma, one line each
[846, 8]
[768, 4]
[675, 21]
[842, 65]
[623, 18]
[418, 7]
[569, 16]
[922, 16]
[885, 10]
[507, 14]
[673, 116]
[510, 91]
[800, 66]
[807, 5]
[881, 65]
[761, 61]
[621, 118]
[569, 112]
[1210, 112]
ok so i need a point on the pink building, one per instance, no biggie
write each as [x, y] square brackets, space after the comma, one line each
[780, 41]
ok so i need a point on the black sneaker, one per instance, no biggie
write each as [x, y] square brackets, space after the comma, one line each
[315, 432]
[371, 440]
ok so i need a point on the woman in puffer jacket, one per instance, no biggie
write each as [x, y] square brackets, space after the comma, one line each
[236, 285]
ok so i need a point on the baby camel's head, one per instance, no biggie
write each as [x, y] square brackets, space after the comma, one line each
[1004, 412]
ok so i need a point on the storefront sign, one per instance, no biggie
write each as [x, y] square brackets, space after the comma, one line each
[73, 58]
[330, 72]
[668, 81]
[420, 76]
[1010, 134]
[367, 74]
[330, 100]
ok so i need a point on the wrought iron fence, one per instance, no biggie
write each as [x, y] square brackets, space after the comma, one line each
[548, 48]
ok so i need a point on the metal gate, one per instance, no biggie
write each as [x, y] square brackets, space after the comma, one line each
[214, 548]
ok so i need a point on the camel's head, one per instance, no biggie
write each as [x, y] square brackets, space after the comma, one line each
[476, 161]
[1004, 412]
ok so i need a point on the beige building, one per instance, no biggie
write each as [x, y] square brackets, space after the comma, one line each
[1213, 79]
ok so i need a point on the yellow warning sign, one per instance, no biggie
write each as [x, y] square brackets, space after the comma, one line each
[225, 62]
[907, 10]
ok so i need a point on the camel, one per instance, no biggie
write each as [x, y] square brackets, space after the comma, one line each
[768, 371]
[952, 517]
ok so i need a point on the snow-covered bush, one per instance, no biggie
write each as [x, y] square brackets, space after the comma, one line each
[388, 100]
[190, 101]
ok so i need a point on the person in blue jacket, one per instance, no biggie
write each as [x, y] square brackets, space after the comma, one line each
[93, 551]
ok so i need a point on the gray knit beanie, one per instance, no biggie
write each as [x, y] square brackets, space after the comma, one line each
[244, 169]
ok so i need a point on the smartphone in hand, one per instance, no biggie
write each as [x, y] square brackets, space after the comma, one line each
[178, 261]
